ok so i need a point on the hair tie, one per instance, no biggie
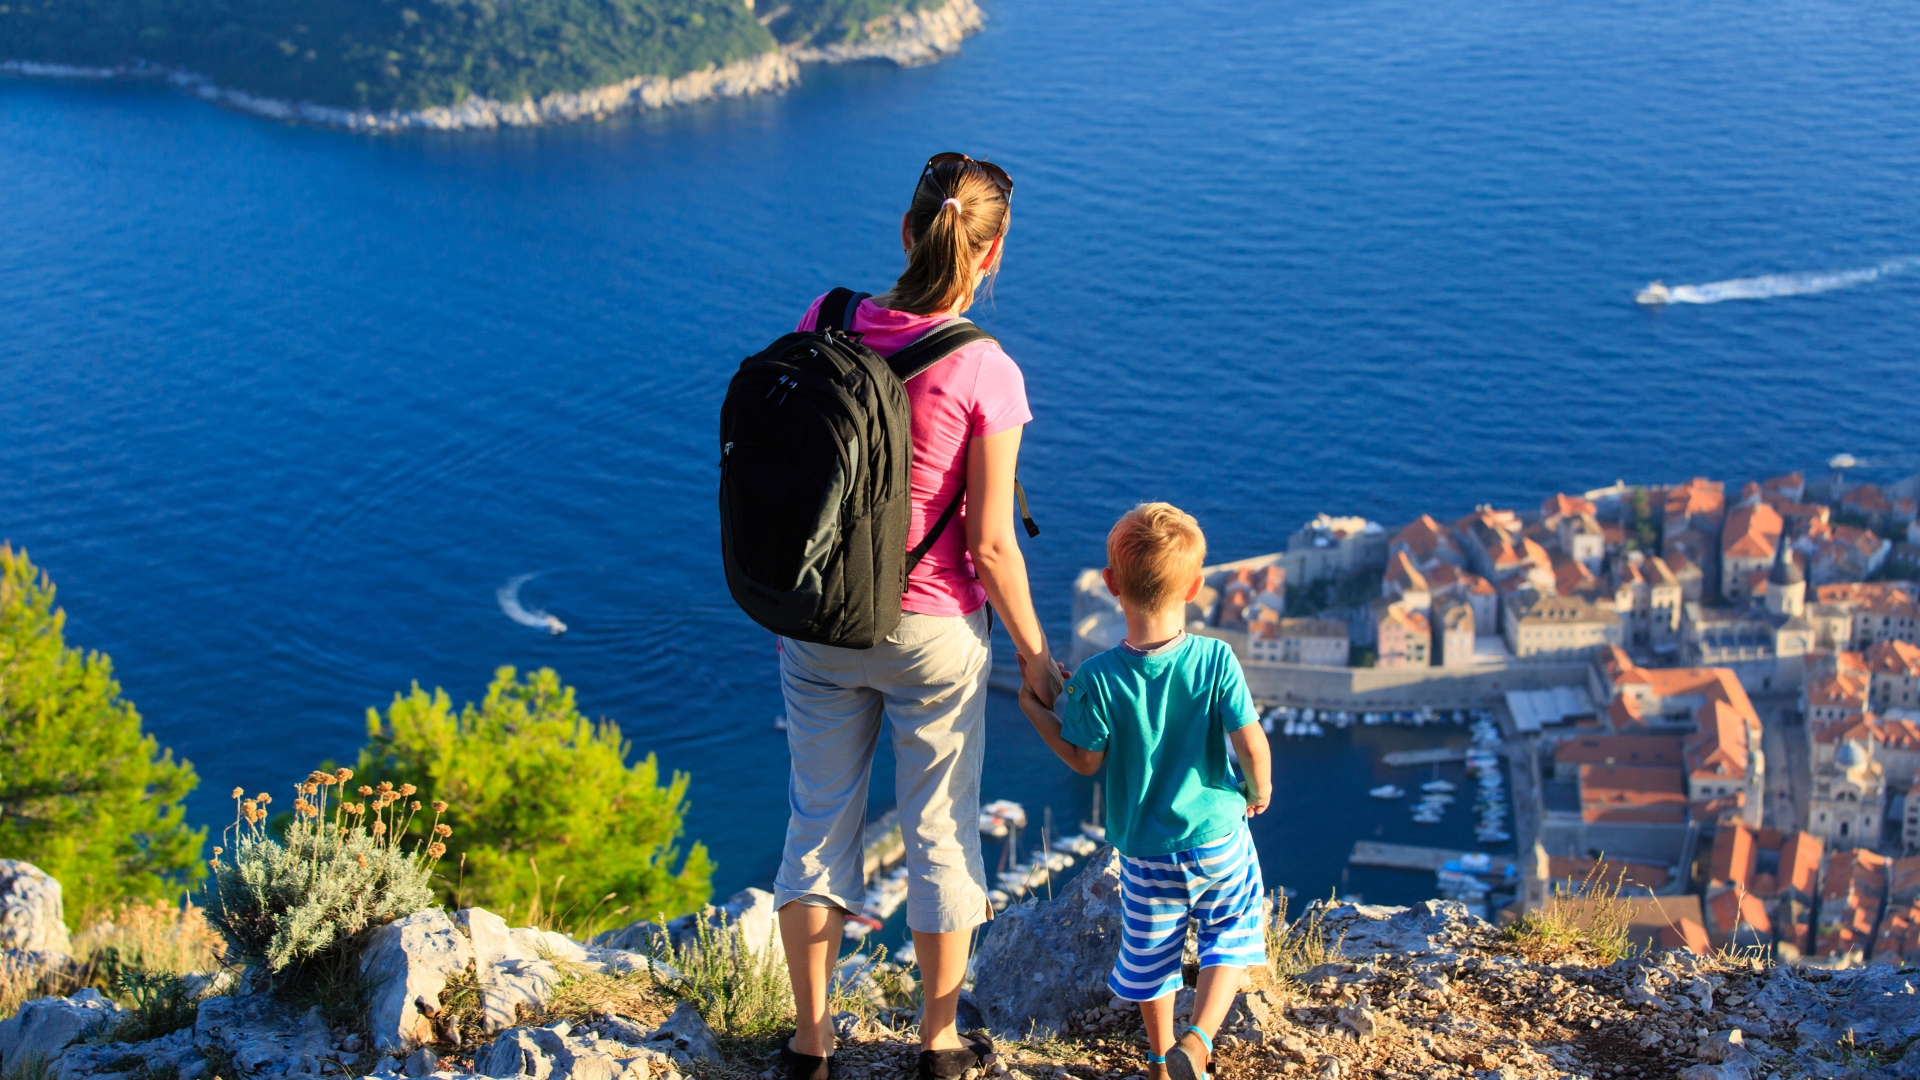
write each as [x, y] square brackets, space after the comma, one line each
[956, 205]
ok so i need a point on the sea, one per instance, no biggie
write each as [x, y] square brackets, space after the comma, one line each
[283, 410]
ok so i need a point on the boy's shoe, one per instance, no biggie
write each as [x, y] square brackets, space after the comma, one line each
[953, 1064]
[1185, 1063]
[799, 1066]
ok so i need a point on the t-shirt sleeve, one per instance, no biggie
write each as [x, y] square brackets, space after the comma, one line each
[1082, 721]
[812, 317]
[999, 393]
[1232, 701]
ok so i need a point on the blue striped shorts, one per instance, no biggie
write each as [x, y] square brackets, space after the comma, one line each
[1217, 886]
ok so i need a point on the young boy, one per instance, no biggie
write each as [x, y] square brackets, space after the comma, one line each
[1157, 712]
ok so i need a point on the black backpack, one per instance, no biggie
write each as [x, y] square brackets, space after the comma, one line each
[816, 442]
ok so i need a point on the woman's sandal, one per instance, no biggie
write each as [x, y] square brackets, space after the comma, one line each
[1180, 1063]
[1160, 1060]
[800, 1066]
[953, 1064]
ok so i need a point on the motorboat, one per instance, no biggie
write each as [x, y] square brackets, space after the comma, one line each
[1437, 785]
[780, 722]
[1427, 817]
[1655, 293]
[1387, 791]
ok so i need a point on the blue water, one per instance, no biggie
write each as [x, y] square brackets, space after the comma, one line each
[281, 408]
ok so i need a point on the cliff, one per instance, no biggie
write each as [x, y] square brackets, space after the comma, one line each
[470, 77]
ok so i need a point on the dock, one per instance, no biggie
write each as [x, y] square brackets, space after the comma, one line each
[1431, 756]
[1412, 857]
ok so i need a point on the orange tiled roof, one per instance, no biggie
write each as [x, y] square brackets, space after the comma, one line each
[1424, 537]
[1894, 658]
[1566, 506]
[1619, 750]
[1867, 499]
[1402, 572]
[1718, 750]
[1737, 906]
[1735, 854]
[1793, 481]
[1800, 862]
[1752, 532]
[1626, 793]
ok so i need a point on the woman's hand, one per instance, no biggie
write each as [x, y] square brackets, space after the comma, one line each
[1035, 674]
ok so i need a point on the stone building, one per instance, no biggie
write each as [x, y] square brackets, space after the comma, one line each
[1848, 802]
[1895, 670]
[1541, 626]
[1453, 634]
[1747, 548]
[1321, 642]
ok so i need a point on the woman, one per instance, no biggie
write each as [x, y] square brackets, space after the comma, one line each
[929, 678]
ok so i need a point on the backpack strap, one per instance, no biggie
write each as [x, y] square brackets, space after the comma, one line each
[837, 308]
[934, 346]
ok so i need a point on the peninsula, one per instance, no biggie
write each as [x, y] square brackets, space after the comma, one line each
[393, 65]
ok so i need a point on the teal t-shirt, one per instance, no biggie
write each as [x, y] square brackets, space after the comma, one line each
[1163, 719]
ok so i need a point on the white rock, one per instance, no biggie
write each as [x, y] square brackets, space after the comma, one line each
[32, 915]
[409, 961]
[261, 1035]
[689, 1033]
[751, 910]
[553, 1053]
[172, 1055]
[44, 1028]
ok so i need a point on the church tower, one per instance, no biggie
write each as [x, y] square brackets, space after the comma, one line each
[1786, 584]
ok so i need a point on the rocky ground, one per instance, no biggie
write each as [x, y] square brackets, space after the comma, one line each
[1427, 991]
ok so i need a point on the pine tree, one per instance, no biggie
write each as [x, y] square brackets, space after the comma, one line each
[536, 791]
[84, 794]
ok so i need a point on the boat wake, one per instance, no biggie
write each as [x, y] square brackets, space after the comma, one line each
[509, 597]
[1769, 286]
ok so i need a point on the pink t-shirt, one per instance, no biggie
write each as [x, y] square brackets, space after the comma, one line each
[976, 391]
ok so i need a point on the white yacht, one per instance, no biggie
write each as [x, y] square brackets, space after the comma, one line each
[1387, 791]
[1654, 294]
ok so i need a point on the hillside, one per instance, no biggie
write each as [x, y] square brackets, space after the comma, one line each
[417, 54]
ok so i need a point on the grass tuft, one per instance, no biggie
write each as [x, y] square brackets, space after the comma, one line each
[1591, 919]
[1302, 946]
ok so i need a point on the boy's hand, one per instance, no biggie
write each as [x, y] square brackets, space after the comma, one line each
[1256, 802]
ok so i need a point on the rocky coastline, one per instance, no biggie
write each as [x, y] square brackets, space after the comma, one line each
[905, 38]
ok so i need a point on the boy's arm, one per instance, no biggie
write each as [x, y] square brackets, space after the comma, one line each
[1256, 764]
[1079, 759]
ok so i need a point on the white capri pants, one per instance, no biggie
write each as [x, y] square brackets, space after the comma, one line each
[928, 679]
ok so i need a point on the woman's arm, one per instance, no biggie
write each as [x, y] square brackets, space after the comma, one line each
[991, 460]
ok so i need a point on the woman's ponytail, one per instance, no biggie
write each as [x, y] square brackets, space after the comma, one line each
[957, 213]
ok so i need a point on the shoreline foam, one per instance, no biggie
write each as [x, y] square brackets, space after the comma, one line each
[904, 38]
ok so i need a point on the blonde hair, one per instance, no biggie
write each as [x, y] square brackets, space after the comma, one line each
[956, 214]
[1154, 551]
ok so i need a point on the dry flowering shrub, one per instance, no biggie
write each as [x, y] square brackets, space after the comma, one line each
[150, 936]
[341, 867]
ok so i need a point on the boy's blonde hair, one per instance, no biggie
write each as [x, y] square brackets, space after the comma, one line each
[1154, 551]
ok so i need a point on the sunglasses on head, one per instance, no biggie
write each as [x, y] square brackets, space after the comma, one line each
[994, 173]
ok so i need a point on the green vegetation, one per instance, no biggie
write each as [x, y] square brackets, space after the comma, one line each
[412, 54]
[541, 794]
[1644, 527]
[85, 795]
[300, 899]
[159, 1003]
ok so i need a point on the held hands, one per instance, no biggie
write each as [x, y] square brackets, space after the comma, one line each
[1043, 677]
